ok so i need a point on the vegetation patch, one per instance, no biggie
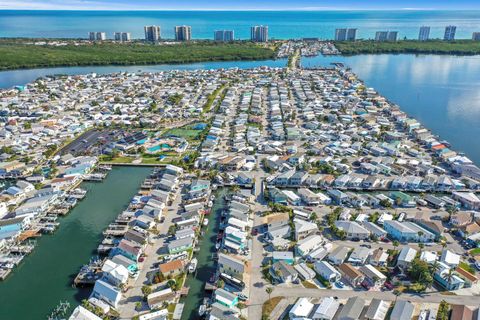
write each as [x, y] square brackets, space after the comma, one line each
[269, 305]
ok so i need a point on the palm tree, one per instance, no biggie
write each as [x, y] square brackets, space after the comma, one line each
[448, 276]
[269, 291]
[395, 244]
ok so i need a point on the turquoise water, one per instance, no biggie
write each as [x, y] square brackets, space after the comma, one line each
[282, 24]
[441, 91]
[45, 277]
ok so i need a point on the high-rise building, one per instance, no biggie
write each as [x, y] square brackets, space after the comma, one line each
[259, 33]
[122, 36]
[183, 33]
[450, 33]
[345, 34]
[424, 33]
[152, 33]
[351, 34]
[340, 34]
[97, 36]
[386, 36]
[223, 35]
[476, 36]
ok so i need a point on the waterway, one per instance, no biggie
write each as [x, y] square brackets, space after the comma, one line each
[44, 278]
[440, 91]
[206, 264]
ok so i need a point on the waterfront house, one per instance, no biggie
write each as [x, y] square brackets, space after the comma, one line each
[350, 274]
[136, 236]
[158, 298]
[231, 265]
[292, 198]
[106, 292]
[172, 268]
[301, 309]
[113, 273]
[129, 249]
[283, 272]
[327, 271]
[277, 196]
[176, 246]
[309, 197]
[80, 313]
[377, 310]
[220, 312]
[13, 227]
[326, 309]
[131, 265]
[226, 298]
[145, 222]
[402, 310]
[352, 309]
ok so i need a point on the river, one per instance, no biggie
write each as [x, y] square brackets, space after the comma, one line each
[44, 278]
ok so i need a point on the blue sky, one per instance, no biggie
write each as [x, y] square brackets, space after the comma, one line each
[240, 4]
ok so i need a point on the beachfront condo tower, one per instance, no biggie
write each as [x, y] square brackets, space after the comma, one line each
[183, 33]
[346, 34]
[450, 33]
[223, 35]
[424, 33]
[122, 36]
[97, 36]
[152, 33]
[259, 33]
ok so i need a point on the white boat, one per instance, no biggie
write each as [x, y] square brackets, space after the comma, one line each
[193, 265]
[217, 245]
[212, 197]
[210, 204]
[205, 222]
[202, 310]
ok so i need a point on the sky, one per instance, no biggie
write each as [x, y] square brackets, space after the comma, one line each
[240, 4]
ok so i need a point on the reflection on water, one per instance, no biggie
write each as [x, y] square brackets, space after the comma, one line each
[443, 92]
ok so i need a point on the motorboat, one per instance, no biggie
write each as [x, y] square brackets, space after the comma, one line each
[193, 265]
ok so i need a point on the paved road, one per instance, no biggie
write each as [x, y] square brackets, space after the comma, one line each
[297, 292]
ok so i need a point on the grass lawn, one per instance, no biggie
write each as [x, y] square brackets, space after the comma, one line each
[269, 305]
[118, 160]
[465, 266]
[183, 133]
[309, 285]
[475, 252]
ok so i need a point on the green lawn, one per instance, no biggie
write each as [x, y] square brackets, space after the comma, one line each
[183, 133]
[475, 252]
[460, 47]
[16, 54]
[465, 266]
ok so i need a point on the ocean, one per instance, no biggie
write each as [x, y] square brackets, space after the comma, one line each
[282, 24]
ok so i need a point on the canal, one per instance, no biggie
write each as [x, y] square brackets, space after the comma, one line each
[206, 264]
[44, 278]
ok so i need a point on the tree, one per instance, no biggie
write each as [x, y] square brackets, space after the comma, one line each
[146, 290]
[443, 310]
[448, 276]
[395, 244]
[269, 291]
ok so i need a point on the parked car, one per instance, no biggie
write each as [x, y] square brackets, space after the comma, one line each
[340, 284]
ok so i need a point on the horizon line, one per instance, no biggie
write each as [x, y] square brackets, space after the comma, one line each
[242, 10]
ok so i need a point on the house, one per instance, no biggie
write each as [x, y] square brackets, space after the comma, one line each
[292, 198]
[309, 244]
[403, 199]
[278, 226]
[350, 274]
[161, 314]
[460, 219]
[461, 312]
[304, 228]
[231, 265]
[339, 255]
[226, 298]
[327, 309]
[359, 256]
[373, 277]
[447, 278]
[172, 268]
[327, 271]
[13, 227]
[131, 265]
[158, 298]
[408, 231]
[377, 310]
[220, 312]
[375, 231]
[378, 258]
[283, 272]
[129, 249]
[106, 292]
[353, 230]
[80, 313]
[405, 257]
[468, 199]
[309, 197]
[113, 273]
[179, 245]
[301, 309]
[449, 258]
[286, 256]
[402, 310]
[352, 309]
[304, 272]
